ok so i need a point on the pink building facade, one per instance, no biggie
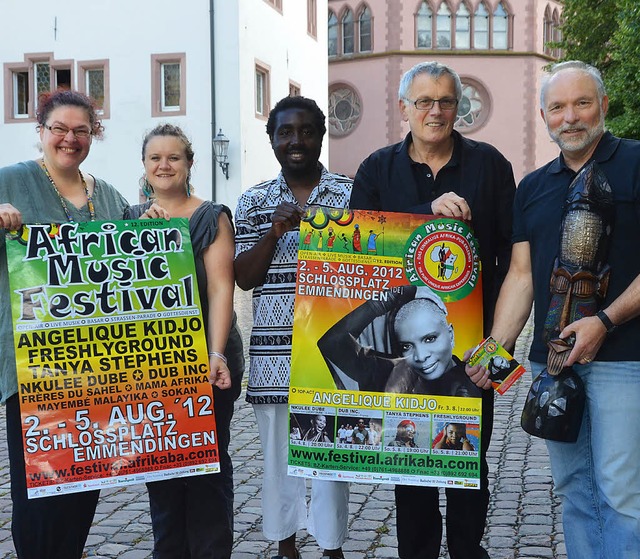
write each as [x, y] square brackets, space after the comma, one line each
[498, 47]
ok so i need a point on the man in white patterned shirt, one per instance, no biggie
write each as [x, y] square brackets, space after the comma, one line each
[268, 229]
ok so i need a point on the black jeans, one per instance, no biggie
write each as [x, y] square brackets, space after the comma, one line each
[418, 515]
[192, 517]
[49, 527]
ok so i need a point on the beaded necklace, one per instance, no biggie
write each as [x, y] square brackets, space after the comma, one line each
[92, 210]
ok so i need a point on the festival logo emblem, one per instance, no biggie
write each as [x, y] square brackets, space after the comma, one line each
[491, 346]
[443, 254]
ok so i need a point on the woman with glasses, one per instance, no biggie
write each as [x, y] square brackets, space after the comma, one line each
[193, 516]
[51, 189]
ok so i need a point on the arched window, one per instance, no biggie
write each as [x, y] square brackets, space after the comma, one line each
[463, 28]
[333, 34]
[364, 27]
[481, 28]
[443, 27]
[347, 33]
[557, 33]
[500, 28]
[547, 31]
[423, 27]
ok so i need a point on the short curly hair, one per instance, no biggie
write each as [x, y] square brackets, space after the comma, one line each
[51, 100]
[297, 102]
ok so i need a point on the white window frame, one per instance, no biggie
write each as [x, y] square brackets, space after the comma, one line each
[421, 15]
[12, 71]
[502, 33]
[441, 16]
[85, 67]
[477, 16]
[361, 13]
[343, 25]
[158, 61]
[262, 99]
[336, 27]
[460, 33]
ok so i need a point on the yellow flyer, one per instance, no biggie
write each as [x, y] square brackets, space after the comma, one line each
[503, 369]
[386, 303]
[111, 355]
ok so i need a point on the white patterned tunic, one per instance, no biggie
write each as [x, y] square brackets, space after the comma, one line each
[270, 345]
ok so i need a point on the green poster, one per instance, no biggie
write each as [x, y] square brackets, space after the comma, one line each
[111, 355]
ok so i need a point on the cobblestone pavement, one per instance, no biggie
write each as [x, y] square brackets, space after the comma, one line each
[524, 517]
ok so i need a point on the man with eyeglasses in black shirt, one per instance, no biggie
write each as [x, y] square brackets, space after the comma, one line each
[437, 171]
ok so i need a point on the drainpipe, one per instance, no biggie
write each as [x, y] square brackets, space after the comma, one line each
[213, 98]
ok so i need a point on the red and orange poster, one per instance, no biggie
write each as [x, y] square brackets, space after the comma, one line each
[111, 355]
[386, 305]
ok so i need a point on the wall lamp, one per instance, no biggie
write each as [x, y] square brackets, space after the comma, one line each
[221, 151]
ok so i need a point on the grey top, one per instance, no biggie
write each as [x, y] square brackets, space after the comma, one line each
[26, 187]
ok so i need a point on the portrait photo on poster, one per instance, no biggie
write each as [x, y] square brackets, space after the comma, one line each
[455, 437]
[403, 433]
[402, 344]
[312, 428]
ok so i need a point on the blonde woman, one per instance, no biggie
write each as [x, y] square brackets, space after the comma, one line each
[193, 516]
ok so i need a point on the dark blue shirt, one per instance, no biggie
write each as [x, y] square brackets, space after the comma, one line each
[537, 218]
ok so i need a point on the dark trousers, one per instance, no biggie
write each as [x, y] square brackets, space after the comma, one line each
[49, 527]
[419, 522]
[192, 517]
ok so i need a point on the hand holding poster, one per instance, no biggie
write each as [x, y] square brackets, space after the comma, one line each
[377, 391]
[111, 355]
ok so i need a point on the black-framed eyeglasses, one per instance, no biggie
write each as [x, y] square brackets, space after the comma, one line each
[426, 104]
[60, 130]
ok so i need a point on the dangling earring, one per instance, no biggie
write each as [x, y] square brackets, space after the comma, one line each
[188, 185]
[146, 187]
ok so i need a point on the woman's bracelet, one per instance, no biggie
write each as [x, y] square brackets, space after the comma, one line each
[218, 355]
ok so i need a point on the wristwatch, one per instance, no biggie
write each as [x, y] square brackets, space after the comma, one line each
[610, 326]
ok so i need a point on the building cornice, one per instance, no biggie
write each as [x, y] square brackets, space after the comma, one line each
[441, 53]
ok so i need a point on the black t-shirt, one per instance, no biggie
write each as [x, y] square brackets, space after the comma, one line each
[389, 180]
[538, 212]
